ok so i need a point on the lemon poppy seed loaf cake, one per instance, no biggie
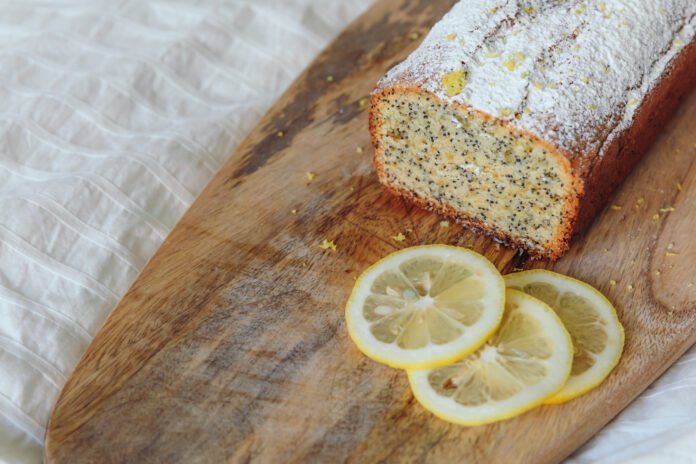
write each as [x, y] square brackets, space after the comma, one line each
[519, 118]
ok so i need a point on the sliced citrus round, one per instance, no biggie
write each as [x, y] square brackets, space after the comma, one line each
[591, 320]
[425, 306]
[525, 362]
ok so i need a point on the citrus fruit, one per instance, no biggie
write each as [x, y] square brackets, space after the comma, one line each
[425, 306]
[525, 362]
[589, 317]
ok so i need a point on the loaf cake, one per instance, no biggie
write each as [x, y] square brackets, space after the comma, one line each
[519, 118]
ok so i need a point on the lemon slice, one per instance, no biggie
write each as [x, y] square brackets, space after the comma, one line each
[525, 362]
[425, 306]
[591, 320]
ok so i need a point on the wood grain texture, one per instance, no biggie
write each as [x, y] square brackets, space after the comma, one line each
[231, 345]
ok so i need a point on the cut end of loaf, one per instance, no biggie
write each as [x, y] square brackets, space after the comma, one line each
[475, 169]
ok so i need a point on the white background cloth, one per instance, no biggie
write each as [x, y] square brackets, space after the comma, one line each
[115, 114]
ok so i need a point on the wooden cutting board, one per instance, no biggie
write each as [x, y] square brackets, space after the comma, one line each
[231, 345]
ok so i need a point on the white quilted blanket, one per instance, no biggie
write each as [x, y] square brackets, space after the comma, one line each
[115, 114]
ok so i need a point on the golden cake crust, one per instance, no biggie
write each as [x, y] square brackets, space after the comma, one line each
[615, 162]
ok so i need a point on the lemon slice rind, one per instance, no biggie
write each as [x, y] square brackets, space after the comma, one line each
[606, 361]
[433, 355]
[561, 361]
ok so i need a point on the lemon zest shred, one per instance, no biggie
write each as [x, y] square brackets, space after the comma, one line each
[454, 82]
[328, 245]
[399, 237]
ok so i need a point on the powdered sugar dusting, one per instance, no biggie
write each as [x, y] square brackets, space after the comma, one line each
[573, 72]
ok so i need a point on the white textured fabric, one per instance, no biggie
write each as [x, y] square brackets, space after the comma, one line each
[658, 426]
[115, 115]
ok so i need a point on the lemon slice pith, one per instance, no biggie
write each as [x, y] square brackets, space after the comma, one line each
[591, 320]
[525, 362]
[425, 306]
